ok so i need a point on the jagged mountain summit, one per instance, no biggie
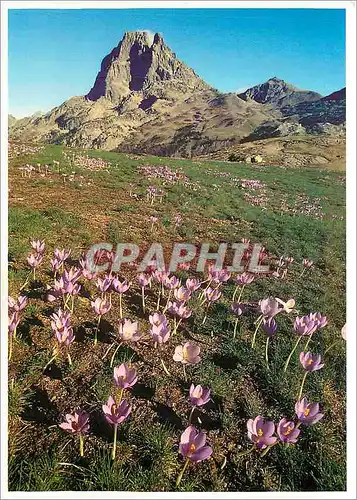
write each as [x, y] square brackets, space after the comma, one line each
[144, 99]
[278, 93]
[138, 64]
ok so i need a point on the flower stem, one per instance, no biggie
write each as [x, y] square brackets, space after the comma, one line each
[120, 307]
[291, 353]
[96, 331]
[191, 414]
[266, 352]
[184, 373]
[72, 304]
[307, 343]
[268, 448]
[182, 473]
[235, 292]
[14, 334]
[158, 300]
[143, 298]
[121, 395]
[246, 452]
[114, 441]
[10, 347]
[69, 358]
[259, 322]
[113, 357]
[235, 328]
[81, 443]
[177, 325]
[302, 385]
[164, 367]
[331, 346]
[241, 293]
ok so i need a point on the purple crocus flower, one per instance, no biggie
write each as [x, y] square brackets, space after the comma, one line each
[183, 311]
[187, 353]
[100, 306]
[76, 423]
[124, 376]
[319, 319]
[171, 283]
[199, 396]
[307, 413]
[260, 432]
[287, 431]
[304, 325]
[116, 413]
[38, 246]
[192, 284]
[193, 445]
[212, 294]
[60, 320]
[157, 319]
[220, 276]
[17, 305]
[311, 362]
[55, 264]
[129, 330]
[160, 333]
[238, 308]
[144, 279]
[244, 278]
[34, 260]
[103, 284]
[62, 255]
[269, 325]
[269, 307]
[182, 294]
[120, 286]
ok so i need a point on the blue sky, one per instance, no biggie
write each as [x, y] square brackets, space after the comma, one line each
[56, 54]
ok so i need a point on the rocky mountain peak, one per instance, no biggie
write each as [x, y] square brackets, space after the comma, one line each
[142, 62]
[278, 93]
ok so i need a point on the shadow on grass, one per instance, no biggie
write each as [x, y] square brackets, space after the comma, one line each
[167, 415]
[40, 408]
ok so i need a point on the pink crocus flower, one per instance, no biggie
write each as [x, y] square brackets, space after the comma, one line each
[171, 283]
[76, 423]
[124, 376]
[307, 413]
[244, 278]
[192, 284]
[60, 320]
[103, 284]
[157, 319]
[160, 334]
[212, 294]
[144, 279]
[304, 325]
[34, 260]
[100, 306]
[193, 445]
[18, 304]
[116, 413]
[310, 362]
[14, 320]
[182, 294]
[199, 395]
[129, 330]
[269, 307]
[38, 245]
[287, 431]
[260, 432]
[307, 263]
[55, 264]
[120, 286]
[187, 353]
[62, 255]
[220, 276]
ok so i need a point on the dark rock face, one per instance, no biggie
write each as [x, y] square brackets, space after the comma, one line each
[278, 93]
[139, 64]
[339, 95]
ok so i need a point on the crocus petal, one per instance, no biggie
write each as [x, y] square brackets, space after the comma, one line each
[201, 454]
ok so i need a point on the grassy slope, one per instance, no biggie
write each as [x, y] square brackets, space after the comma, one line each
[213, 209]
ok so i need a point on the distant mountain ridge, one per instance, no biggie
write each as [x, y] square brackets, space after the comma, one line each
[144, 99]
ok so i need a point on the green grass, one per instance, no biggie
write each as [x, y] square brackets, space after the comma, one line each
[214, 209]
